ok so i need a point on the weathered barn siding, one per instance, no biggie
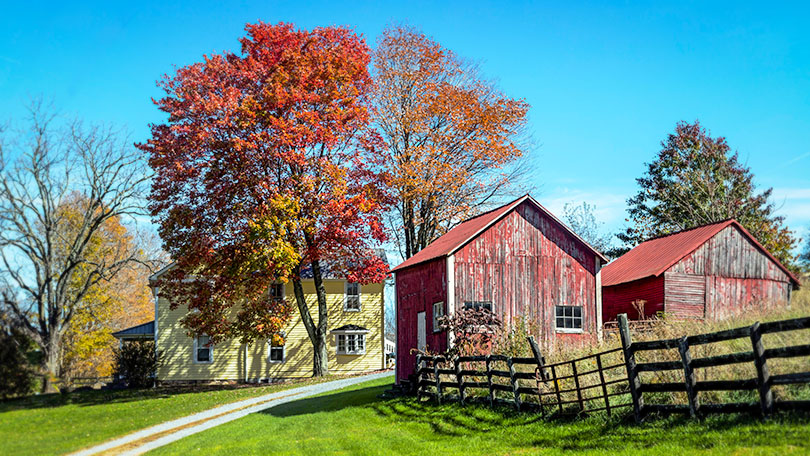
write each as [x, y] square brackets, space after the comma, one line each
[730, 253]
[727, 296]
[619, 298]
[685, 295]
[506, 263]
[417, 288]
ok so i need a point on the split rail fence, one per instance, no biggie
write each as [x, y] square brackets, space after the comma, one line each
[612, 379]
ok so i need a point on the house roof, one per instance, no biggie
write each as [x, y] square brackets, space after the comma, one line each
[143, 331]
[354, 328]
[653, 257]
[468, 230]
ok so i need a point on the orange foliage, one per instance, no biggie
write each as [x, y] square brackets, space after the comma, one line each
[450, 134]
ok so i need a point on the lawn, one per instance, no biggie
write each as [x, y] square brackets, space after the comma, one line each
[356, 421]
[57, 424]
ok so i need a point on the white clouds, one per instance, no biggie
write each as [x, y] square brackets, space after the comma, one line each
[794, 205]
[610, 203]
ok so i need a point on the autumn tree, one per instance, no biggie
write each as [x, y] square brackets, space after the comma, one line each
[265, 172]
[695, 180]
[581, 218]
[112, 304]
[452, 139]
[48, 271]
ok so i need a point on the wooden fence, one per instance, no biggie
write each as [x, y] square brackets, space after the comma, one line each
[758, 355]
[612, 379]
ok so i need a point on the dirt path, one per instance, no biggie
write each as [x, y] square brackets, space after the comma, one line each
[162, 434]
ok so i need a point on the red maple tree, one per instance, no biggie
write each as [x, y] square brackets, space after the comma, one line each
[266, 168]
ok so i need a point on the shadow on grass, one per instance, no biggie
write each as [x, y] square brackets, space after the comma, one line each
[329, 402]
[598, 432]
[100, 397]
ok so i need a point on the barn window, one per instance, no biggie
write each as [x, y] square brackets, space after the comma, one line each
[568, 318]
[352, 299]
[438, 312]
[478, 305]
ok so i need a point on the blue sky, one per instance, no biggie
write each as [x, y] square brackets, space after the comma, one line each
[606, 82]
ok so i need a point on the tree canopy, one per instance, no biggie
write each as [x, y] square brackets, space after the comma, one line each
[695, 180]
[453, 141]
[266, 168]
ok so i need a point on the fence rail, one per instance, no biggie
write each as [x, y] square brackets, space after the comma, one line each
[612, 379]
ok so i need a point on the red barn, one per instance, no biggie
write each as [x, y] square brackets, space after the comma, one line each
[516, 260]
[712, 271]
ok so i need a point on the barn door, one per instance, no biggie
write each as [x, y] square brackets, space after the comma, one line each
[421, 331]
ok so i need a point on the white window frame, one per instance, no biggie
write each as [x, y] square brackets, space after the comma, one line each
[437, 315]
[359, 295]
[472, 304]
[270, 351]
[581, 319]
[357, 335]
[195, 354]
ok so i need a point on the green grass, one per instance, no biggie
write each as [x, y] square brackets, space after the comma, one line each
[56, 424]
[355, 421]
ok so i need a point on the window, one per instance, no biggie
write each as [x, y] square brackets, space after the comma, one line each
[568, 318]
[351, 344]
[276, 351]
[277, 292]
[352, 302]
[438, 312]
[478, 305]
[203, 350]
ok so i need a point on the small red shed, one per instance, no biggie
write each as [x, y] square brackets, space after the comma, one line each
[516, 260]
[712, 271]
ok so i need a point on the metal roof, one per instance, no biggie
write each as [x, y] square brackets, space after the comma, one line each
[137, 332]
[653, 257]
[459, 236]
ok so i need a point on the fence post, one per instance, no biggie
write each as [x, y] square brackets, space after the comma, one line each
[538, 357]
[438, 380]
[418, 375]
[602, 381]
[763, 374]
[556, 388]
[514, 382]
[576, 384]
[489, 381]
[688, 376]
[460, 381]
[630, 364]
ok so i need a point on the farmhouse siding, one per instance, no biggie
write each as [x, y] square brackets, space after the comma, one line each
[229, 355]
[619, 299]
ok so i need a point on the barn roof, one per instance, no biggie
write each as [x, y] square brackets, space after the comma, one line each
[653, 257]
[468, 230]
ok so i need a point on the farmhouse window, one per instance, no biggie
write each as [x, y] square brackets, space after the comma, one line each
[352, 299]
[568, 318]
[276, 354]
[438, 312]
[351, 344]
[277, 292]
[203, 350]
[478, 305]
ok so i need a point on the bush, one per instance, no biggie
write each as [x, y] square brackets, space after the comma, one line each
[16, 375]
[136, 363]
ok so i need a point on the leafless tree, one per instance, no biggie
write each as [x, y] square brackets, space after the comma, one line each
[46, 270]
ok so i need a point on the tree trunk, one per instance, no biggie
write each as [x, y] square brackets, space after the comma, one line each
[50, 365]
[316, 331]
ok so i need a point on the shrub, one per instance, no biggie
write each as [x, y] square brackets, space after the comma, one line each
[136, 363]
[16, 375]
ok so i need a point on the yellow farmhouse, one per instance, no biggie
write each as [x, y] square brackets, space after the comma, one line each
[355, 339]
